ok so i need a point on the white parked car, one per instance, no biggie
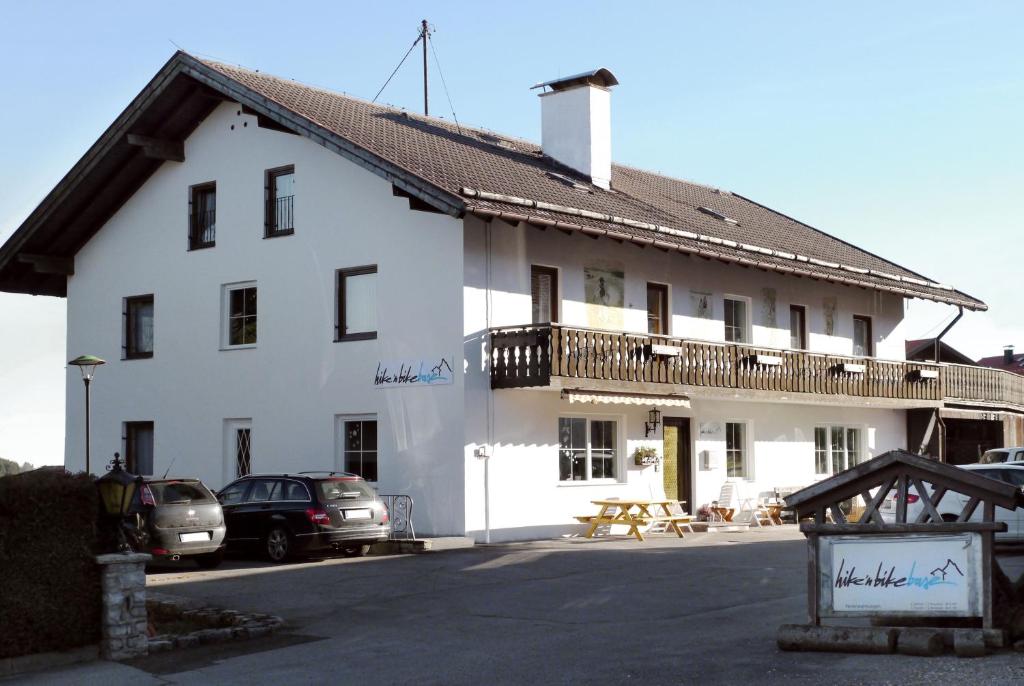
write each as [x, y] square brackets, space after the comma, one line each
[952, 503]
[997, 455]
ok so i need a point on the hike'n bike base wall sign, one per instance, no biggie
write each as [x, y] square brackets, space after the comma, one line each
[901, 575]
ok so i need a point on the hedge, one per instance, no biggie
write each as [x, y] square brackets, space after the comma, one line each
[50, 580]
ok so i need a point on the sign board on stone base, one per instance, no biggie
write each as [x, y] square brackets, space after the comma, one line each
[926, 575]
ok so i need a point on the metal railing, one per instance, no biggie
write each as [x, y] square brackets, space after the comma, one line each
[281, 215]
[400, 516]
[531, 355]
[202, 229]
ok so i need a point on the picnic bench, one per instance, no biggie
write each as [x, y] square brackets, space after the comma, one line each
[656, 515]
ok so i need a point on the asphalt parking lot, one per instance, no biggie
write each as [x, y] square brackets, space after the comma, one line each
[701, 610]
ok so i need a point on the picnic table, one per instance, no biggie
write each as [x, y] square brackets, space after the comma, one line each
[635, 514]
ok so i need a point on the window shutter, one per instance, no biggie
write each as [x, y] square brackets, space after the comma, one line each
[267, 229]
[127, 332]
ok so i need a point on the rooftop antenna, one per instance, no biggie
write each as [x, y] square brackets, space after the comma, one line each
[422, 35]
[425, 35]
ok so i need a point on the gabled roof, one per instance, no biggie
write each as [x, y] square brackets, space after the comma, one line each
[923, 349]
[1015, 365]
[455, 169]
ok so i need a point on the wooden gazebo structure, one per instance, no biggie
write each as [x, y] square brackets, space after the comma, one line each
[959, 586]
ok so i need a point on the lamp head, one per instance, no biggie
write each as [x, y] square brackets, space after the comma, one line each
[87, 365]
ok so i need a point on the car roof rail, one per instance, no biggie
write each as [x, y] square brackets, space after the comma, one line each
[324, 471]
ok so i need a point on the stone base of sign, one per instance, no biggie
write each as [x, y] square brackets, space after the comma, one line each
[969, 643]
[923, 642]
[123, 585]
[837, 639]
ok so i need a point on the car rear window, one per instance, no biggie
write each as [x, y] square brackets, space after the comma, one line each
[994, 456]
[180, 493]
[337, 489]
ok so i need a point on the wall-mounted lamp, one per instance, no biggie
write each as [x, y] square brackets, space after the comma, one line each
[653, 420]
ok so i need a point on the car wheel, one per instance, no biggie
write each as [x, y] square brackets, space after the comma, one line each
[210, 560]
[948, 517]
[356, 550]
[277, 544]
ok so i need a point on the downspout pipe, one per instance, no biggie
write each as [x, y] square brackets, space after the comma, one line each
[946, 330]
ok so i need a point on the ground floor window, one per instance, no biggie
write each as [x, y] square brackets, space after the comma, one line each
[238, 447]
[138, 447]
[736, 450]
[836, 449]
[588, 448]
[358, 440]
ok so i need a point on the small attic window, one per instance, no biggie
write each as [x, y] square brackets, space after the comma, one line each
[567, 181]
[718, 215]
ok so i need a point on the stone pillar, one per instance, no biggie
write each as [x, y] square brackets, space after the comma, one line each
[123, 584]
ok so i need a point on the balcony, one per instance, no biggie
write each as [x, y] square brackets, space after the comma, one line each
[565, 356]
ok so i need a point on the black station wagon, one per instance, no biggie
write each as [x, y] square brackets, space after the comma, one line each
[283, 515]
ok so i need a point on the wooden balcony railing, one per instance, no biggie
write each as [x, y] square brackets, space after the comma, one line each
[531, 355]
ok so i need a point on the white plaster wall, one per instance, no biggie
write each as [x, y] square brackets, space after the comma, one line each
[527, 500]
[515, 491]
[780, 441]
[515, 249]
[294, 382]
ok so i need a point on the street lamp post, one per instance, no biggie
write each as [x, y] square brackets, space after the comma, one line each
[87, 365]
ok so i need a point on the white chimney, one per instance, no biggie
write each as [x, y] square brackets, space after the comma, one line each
[576, 127]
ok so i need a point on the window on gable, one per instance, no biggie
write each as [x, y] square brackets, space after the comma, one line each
[280, 193]
[657, 308]
[357, 304]
[736, 321]
[240, 325]
[138, 327]
[863, 344]
[588, 448]
[202, 216]
[544, 294]
[138, 448]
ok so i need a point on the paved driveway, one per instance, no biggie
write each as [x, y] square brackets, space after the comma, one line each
[699, 611]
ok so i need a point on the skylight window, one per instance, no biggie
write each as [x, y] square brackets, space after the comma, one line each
[717, 215]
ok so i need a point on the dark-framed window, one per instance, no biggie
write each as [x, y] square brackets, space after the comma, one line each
[138, 448]
[361, 448]
[241, 325]
[657, 309]
[797, 327]
[138, 327]
[863, 342]
[243, 450]
[357, 304]
[544, 294]
[279, 217]
[202, 216]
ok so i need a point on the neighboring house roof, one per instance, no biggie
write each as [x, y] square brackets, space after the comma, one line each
[923, 349]
[453, 168]
[997, 362]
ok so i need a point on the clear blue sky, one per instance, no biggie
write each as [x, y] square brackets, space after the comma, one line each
[896, 126]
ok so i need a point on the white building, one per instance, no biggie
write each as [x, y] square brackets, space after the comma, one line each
[283, 279]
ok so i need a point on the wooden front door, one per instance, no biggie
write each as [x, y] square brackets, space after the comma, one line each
[677, 464]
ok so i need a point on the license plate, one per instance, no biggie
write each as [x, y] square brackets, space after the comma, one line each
[358, 514]
[192, 538]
